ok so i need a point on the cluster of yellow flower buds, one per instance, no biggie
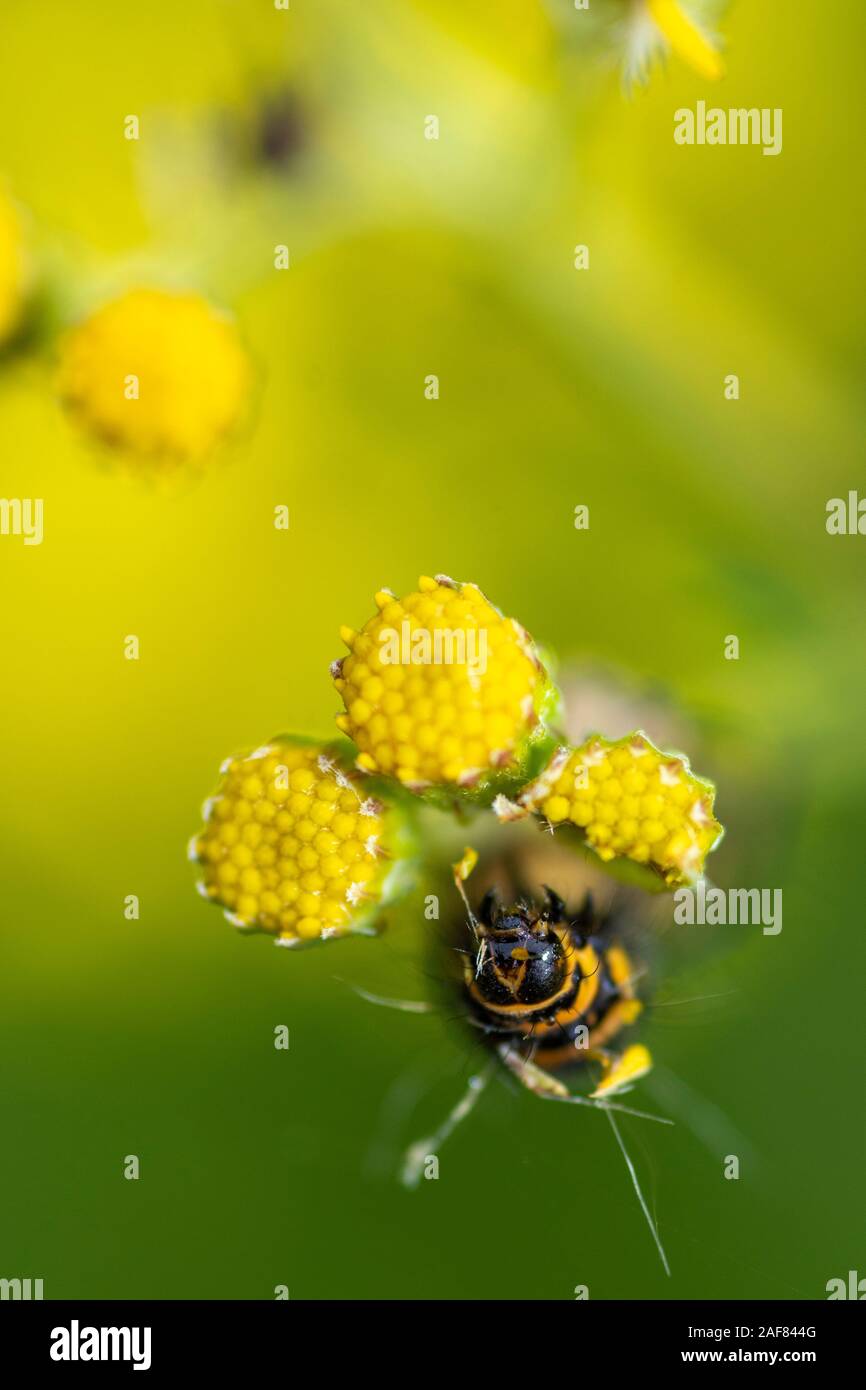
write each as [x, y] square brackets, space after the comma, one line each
[446, 702]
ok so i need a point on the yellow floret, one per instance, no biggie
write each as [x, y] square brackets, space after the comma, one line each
[440, 689]
[162, 375]
[291, 846]
[687, 39]
[12, 268]
[629, 800]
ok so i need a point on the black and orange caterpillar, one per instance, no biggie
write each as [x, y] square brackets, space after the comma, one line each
[551, 983]
[550, 988]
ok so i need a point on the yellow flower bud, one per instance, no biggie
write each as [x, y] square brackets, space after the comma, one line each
[441, 690]
[628, 800]
[291, 846]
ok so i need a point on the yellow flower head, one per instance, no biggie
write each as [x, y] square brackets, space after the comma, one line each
[12, 268]
[160, 374]
[290, 845]
[440, 689]
[629, 800]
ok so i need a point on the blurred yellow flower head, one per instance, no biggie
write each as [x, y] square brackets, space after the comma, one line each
[160, 374]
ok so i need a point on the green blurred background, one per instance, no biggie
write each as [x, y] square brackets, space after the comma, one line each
[558, 387]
